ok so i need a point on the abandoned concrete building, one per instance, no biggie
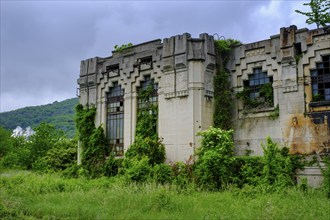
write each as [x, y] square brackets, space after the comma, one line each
[181, 69]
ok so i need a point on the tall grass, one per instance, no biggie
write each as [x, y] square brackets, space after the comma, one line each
[30, 196]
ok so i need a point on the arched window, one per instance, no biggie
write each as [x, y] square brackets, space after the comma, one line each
[115, 119]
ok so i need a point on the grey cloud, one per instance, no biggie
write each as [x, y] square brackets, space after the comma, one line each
[43, 42]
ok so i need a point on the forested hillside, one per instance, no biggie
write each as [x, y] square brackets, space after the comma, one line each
[60, 114]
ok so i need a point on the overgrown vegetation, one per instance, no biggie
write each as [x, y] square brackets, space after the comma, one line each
[142, 180]
[147, 143]
[92, 140]
[47, 150]
[276, 113]
[266, 99]
[144, 157]
[25, 195]
[222, 90]
[215, 159]
[122, 48]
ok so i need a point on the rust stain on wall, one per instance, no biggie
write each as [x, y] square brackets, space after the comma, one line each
[303, 136]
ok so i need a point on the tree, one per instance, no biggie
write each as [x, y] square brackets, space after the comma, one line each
[320, 14]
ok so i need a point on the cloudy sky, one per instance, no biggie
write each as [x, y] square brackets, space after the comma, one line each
[43, 42]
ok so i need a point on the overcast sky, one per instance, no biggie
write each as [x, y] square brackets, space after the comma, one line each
[43, 42]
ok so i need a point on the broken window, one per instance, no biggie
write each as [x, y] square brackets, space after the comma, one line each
[321, 80]
[148, 95]
[115, 119]
[145, 63]
[258, 90]
[113, 70]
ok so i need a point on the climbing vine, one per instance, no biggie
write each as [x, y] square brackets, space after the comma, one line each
[266, 97]
[147, 143]
[222, 89]
[92, 139]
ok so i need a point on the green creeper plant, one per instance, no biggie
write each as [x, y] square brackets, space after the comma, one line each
[93, 141]
[146, 141]
[222, 89]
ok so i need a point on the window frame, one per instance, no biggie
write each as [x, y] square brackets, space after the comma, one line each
[115, 119]
[320, 80]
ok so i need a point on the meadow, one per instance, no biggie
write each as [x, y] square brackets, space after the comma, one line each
[29, 195]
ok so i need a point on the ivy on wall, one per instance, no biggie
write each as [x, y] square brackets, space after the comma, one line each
[92, 139]
[223, 93]
[266, 97]
[147, 143]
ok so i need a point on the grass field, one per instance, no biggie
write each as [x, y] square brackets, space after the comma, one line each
[26, 195]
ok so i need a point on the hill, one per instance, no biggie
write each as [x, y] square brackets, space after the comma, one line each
[59, 114]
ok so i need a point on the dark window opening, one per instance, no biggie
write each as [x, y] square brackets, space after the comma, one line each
[297, 47]
[320, 117]
[113, 68]
[146, 61]
[148, 95]
[258, 90]
[321, 80]
[115, 119]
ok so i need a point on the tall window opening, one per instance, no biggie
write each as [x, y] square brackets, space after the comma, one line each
[321, 80]
[115, 119]
[147, 116]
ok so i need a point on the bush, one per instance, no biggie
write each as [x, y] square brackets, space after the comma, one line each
[247, 170]
[6, 145]
[19, 155]
[112, 166]
[154, 149]
[59, 158]
[215, 159]
[161, 173]
[45, 138]
[279, 167]
[137, 169]
[183, 174]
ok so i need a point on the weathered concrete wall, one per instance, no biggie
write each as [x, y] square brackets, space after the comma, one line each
[182, 66]
[289, 58]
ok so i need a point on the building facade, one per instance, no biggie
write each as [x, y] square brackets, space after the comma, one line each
[281, 89]
[181, 71]
[288, 79]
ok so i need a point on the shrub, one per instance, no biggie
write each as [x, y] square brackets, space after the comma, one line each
[247, 170]
[112, 166]
[279, 167]
[137, 169]
[19, 155]
[45, 138]
[6, 145]
[162, 173]
[59, 158]
[215, 159]
[152, 148]
[182, 174]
